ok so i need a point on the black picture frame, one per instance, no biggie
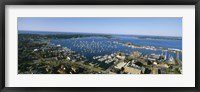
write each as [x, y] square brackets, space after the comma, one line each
[3, 3]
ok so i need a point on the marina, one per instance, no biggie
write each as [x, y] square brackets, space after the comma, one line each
[91, 47]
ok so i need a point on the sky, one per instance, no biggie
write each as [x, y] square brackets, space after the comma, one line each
[129, 26]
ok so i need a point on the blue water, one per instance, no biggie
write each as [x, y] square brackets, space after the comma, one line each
[177, 44]
[95, 46]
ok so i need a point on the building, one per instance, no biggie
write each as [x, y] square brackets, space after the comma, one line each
[155, 56]
[156, 71]
[120, 65]
[171, 60]
[120, 57]
[130, 70]
[164, 54]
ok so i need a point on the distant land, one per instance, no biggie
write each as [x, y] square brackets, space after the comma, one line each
[159, 37]
[137, 36]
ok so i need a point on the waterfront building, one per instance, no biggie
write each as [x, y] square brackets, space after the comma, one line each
[155, 56]
[164, 54]
[151, 59]
[171, 60]
[120, 57]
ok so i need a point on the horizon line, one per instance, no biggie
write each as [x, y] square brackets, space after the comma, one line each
[97, 33]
